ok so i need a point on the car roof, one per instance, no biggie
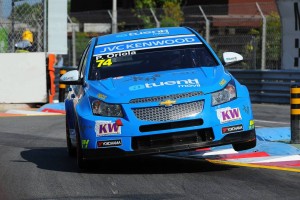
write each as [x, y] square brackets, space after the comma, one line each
[142, 33]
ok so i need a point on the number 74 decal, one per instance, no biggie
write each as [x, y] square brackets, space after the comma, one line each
[104, 62]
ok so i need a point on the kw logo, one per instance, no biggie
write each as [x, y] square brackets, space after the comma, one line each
[167, 103]
[106, 128]
[228, 114]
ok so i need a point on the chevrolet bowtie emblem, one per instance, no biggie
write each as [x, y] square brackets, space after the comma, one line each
[167, 103]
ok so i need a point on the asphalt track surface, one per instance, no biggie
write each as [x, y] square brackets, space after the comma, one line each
[34, 165]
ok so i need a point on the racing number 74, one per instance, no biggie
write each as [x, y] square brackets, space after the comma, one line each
[104, 62]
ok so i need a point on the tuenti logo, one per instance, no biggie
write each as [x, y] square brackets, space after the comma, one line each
[179, 83]
[137, 33]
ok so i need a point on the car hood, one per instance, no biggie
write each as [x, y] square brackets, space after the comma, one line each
[123, 89]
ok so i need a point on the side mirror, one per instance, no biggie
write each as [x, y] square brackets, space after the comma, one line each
[70, 78]
[231, 58]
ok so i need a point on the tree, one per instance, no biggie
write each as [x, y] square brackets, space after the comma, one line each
[172, 14]
[273, 41]
[24, 12]
[141, 6]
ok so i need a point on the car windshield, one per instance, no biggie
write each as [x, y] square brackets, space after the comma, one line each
[150, 60]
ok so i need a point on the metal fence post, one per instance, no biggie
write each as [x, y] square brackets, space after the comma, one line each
[295, 114]
[73, 42]
[155, 18]
[114, 28]
[207, 25]
[264, 34]
[13, 25]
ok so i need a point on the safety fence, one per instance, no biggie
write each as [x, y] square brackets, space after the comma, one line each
[18, 16]
[268, 86]
[251, 29]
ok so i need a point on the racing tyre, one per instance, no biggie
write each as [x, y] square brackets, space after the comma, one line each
[244, 145]
[70, 148]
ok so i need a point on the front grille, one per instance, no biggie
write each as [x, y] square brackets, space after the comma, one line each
[163, 98]
[168, 113]
[172, 139]
[171, 125]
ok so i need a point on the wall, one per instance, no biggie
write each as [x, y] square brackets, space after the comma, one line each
[23, 78]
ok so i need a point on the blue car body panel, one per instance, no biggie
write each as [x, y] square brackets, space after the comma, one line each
[214, 124]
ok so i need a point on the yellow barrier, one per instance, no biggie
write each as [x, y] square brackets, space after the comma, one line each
[295, 114]
[62, 87]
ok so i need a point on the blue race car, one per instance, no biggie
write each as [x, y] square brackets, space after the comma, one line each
[154, 91]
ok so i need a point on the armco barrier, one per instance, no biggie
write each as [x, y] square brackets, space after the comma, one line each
[268, 86]
[265, 86]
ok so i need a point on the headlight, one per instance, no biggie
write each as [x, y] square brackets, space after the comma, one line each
[225, 95]
[105, 109]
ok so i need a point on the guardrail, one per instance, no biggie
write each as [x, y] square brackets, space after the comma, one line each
[265, 86]
[268, 86]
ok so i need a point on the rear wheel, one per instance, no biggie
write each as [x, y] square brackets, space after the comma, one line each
[244, 145]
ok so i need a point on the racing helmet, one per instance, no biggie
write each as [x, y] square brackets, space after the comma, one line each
[27, 35]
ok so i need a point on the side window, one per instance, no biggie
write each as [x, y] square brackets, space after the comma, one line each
[83, 60]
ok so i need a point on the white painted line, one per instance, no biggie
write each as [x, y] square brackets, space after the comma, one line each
[220, 152]
[272, 122]
[267, 159]
[280, 159]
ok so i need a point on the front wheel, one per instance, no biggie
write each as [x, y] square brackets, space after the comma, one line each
[81, 163]
[244, 145]
[70, 148]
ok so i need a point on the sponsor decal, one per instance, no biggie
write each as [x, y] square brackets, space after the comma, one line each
[148, 43]
[85, 143]
[107, 128]
[228, 114]
[222, 82]
[246, 109]
[101, 96]
[156, 32]
[109, 143]
[251, 124]
[143, 78]
[231, 129]
[231, 59]
[179, 83]
[114, 55]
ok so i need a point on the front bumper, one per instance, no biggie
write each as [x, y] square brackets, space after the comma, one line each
[240, 137]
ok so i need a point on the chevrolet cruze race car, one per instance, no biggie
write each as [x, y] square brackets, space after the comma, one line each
[154, 91]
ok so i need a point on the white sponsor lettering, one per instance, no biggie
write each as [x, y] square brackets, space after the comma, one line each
[139, 45]
[119, 54]
[157, 32]
[180, 83]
